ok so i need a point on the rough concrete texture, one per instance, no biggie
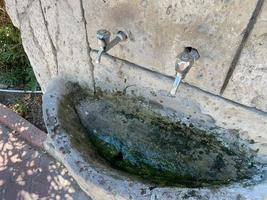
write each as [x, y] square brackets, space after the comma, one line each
[190, 103]
[54, 38]
[26, 173]
[11, 8]
[67, 142]
[159, 30]
[37, 45]
[249, 81]
[66, 27]
[57, 36]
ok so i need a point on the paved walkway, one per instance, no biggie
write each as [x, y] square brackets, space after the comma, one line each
[30, 174]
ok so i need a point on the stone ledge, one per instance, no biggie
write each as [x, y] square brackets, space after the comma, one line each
[26, 130]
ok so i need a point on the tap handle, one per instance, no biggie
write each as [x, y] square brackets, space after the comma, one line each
[103, 39]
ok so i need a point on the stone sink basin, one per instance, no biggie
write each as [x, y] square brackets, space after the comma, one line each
[120, 146]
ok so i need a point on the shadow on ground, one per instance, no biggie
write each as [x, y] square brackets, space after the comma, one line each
[26, 173]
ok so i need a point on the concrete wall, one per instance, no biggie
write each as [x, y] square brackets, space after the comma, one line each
[159, 30]
[249, 82]
[58, 37]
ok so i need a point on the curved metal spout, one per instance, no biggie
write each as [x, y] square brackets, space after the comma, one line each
[103, 37]
[184, 62]
[99, 55]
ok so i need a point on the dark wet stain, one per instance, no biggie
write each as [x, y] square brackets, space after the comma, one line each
[132, 137]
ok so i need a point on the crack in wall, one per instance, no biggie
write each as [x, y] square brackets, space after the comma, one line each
[24, 12]
[54, 51]
[235, 60]
[37, 44]
[57, 29]
[88, 46]
[238, 52]
[21, 16]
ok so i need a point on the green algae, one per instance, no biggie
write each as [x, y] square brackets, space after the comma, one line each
[132, 137]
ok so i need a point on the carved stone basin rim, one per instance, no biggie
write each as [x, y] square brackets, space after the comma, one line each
[67, 117]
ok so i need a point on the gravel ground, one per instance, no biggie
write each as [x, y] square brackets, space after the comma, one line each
[29, 106]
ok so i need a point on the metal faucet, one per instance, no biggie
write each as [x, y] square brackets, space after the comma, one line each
[184, 62]
[103, 38]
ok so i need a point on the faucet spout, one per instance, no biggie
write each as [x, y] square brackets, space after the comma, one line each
[99, 55]
[103, 37]
[176, 84]
[184, 62]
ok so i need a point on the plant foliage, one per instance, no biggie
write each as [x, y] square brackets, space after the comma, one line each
[15, 68]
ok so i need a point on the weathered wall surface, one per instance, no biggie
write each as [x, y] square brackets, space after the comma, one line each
[54, 38]
[159, 30]
[249, 82]
[58, 37]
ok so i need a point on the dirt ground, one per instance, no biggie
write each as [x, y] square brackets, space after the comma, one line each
[29, 106]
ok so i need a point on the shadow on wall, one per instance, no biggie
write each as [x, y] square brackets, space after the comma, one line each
[28, 174]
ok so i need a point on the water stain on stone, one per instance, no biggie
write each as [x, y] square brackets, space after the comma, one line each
[132, 137]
